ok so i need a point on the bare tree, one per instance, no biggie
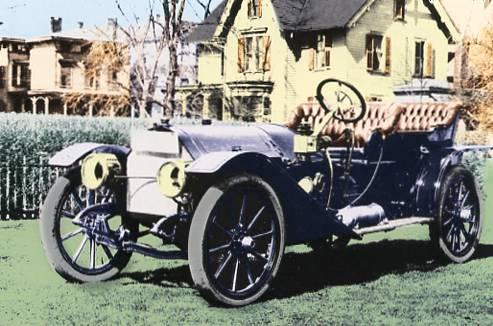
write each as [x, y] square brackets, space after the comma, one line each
[112, 59]
[151, 42]
[477, 81]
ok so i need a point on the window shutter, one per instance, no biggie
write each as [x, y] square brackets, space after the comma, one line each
[328, 48]
[369, 52]
[260, 8]
[311, 59]
[429, 61]
[388, 55]
[266, 63]
[241, 54]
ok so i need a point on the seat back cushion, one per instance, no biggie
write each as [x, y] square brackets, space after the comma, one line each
[419, 117]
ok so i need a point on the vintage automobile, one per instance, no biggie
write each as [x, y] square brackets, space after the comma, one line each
[231, 198]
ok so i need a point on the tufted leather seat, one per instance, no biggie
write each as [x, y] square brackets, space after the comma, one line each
[386, 118]
[419, 117]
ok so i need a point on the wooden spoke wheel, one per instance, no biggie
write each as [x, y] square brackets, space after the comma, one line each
[236, 240]
[74, 220]
[459, 222]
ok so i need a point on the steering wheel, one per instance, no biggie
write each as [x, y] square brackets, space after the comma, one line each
[343, 99]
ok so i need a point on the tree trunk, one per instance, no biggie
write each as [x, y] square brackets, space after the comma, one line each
[170, 104]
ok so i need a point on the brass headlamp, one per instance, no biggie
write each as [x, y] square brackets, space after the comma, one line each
[171, 178]
[98, 168]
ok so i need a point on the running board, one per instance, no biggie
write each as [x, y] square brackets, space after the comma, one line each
[153, 252]
[394, 224]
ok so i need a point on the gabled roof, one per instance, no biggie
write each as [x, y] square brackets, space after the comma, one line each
[313, 15]
[206, 29]
[307, 15]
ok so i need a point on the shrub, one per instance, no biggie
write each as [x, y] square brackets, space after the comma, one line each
[26, 143]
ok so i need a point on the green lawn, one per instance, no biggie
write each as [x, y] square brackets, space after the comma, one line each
[388, 279]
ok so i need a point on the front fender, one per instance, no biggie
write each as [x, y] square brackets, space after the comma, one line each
[305, 220]
[71, 155]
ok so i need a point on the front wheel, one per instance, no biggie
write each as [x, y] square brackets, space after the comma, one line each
[236, 240]
[458, 227]
[77, 225]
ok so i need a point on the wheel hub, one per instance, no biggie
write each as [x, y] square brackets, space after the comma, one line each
[465, 214]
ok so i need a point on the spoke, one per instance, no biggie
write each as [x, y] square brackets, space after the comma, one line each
[92, 252]
[448, 211]
[447, 222]
[462, 228]
[262, 234]
[107, 252]
[90, 198]
[464, 198]
[221, 268]
[255, 218]
[242, 210]
[67, 214]
[235, 276]
[228, 233]
[249, 271]
[226, 246]
[79, 250]
[72, 234]
[77, 199]
[459, 196]
[449, 233]
[258, 255]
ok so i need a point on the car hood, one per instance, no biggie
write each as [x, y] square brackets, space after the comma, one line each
[268, 139]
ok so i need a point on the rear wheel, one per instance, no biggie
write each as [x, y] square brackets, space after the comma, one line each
[74, 221]
[236, 240]
[458, 227]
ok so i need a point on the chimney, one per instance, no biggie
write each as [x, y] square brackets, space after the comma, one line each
[80, 24]
[112, 23]
[112, 27]
[56, 24]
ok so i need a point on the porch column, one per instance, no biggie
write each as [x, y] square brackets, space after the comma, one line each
[47, 105]
[112, 111]
[33, 101]
[91, 108]
[65, 108]
[184, 104]
[23, 105]
[205, 107]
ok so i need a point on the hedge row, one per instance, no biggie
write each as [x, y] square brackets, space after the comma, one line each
[32, 137]
[27, 141]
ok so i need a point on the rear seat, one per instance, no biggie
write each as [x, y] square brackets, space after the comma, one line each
[384, 117]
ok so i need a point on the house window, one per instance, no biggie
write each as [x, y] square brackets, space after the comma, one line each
[92, 79]
[254, 54]
[66, 77]
[324, 45]
[419, 53]
[424, 60]
[2, 77]
[113, 79]
[20, 75]
[254, 8]
[400, 9]
[378, 53]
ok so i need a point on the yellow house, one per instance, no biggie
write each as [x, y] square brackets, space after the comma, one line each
[258, 59]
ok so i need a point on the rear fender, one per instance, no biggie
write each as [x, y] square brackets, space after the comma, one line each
[426, 190]
[305, 219]
[69, 156]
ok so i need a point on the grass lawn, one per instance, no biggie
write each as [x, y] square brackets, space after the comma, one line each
[389, 279]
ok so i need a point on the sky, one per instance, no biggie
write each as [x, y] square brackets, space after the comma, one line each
[28, 18]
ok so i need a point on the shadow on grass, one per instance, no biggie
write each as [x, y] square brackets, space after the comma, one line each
[308, 272]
